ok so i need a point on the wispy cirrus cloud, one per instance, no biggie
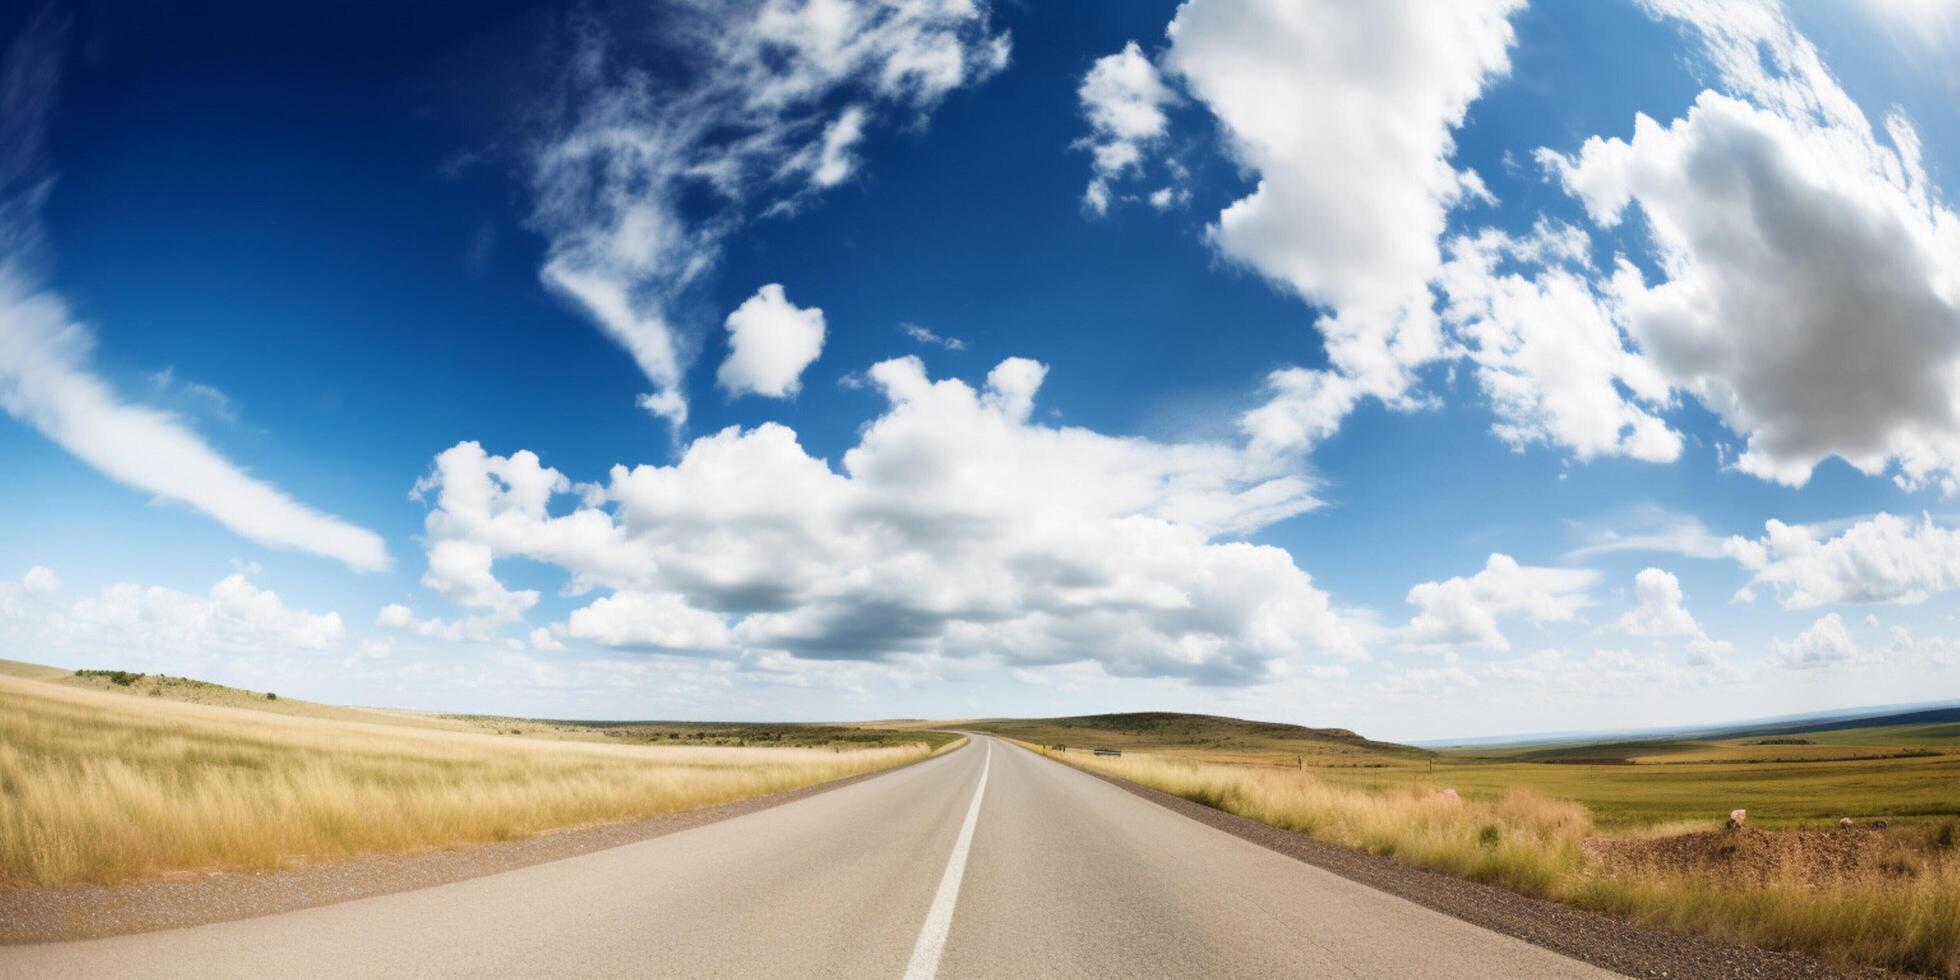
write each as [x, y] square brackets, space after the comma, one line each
[46, 377]
[758, 107]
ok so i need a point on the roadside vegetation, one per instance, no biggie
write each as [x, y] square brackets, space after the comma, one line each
[1888, 898]
[102, 787]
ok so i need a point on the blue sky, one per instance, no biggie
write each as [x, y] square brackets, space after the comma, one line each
[1329, 365]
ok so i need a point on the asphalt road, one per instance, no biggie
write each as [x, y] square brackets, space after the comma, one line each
[987, 862]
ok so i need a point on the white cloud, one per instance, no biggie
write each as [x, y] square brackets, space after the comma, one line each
[1344, 112]
[641, 182]
[200, 398]
[957, 530]
[47, 381]
[1885, 558]
[542, 640]
[1810, 287]
[925, 335]
[1123, 99]
[1650, 528]
[1547, 350]
[1302, 407]
[656, 621]
[155, 625]
[1660, 614]
[1463, 612]
[476, 629]
[834, 160]
[40, 580]
[1828, 645]
[1825, 644]
[771, 340]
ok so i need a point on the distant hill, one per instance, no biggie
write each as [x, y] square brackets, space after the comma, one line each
[1928, 716]
[204, 692]
[1217, 737]
[168, 688]
[1879, 716]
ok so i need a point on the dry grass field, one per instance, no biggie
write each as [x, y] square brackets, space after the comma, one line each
[103, 787]
[1896, 906]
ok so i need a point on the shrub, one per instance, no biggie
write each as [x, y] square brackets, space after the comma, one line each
[120, 678]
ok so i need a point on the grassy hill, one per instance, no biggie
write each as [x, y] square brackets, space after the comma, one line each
[191, 691]
[741, 734]
[1210, 737]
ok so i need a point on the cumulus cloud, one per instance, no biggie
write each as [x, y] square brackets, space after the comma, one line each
[1826, 643]
[1344, 113]
[1659, 613]
[758, 106]
[1123, 99]
[1810, 273]
[40, 580]
[47, 380]
[654, 621]
[1463, 612]
[161, 624]
[770, 341]
[957, 530]
[1884, 558]
[1548, 351]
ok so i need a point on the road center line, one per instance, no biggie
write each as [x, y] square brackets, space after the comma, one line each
[939, 918]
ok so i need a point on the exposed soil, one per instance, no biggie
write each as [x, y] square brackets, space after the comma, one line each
[46, 914]
[1594, 937]
[1811, 857]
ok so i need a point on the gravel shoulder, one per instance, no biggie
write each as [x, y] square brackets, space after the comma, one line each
[49, 914]
[1593, 937]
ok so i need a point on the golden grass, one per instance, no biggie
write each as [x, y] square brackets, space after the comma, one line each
[1905, 917]
[98, 787]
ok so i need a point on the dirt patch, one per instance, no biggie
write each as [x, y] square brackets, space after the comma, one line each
[1761, 857]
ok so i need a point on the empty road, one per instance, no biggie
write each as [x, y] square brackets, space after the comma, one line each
[987, 862]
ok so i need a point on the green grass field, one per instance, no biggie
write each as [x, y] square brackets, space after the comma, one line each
[1776, 794]
[1901, 773]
